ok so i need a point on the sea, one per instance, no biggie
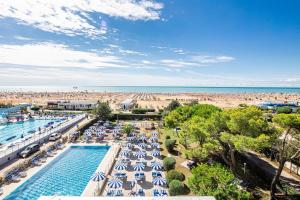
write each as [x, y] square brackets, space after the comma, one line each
[150, 89]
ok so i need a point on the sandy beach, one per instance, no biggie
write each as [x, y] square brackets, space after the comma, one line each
[148, 100]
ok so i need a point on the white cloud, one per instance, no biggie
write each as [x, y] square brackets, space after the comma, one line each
[54, 55]
[22, 38]
[177, 63]
[212, 59]
[73, 17]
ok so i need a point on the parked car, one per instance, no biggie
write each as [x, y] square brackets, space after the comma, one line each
[54, 136]
[29, 150]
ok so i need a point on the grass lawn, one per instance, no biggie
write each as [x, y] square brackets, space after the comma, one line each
[179, 159]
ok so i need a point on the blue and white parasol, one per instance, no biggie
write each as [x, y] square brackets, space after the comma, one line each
[159, 181]
[139, 167]
[142, 145]
[124, 153]
[115, 183]
[155, 153]
[120, 166]
[98, 176]
[155, 145]
[140, 154]
[156, 166]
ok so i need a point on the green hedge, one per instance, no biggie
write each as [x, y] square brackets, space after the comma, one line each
[142, 110]
[284, 109]
[176, 187]
[169, 163]
[175, 175]
[170, 144]
[129, 116]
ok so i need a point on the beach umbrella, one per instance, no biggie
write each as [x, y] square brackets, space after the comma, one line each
[131, 138]
[124, 153]
[128, 145]
[155, 153]
[114, 183]
[132, 134]
[143, 137]
[99, 134]
[120, 166]
[155, 145]
[140, 154]
[154, 133]
[156, 166]
[142, 145]
[159, 181]
[153, 139]
[139, 167]
[98, 176]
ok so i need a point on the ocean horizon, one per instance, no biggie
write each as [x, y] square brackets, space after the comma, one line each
[151, 89]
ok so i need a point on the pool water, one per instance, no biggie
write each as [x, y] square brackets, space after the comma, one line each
[17, 129]
[66, 175]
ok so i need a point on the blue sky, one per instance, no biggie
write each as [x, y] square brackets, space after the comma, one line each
[144, 42]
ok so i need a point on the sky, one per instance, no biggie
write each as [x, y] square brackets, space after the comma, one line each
[150, 42]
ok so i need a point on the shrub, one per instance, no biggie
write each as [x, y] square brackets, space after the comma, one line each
[206, 178]
[170, 144]
[169, 163]
[284, 109]
[298, 110]
[167, 137]
[175, 175]
[176, 187]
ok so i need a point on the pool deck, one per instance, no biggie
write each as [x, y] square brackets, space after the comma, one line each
[130, 198]
[8, 188]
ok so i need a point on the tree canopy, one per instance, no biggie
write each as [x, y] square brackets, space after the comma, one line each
[215, 180]
[102, 111]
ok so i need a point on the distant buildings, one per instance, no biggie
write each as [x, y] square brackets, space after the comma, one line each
[272, 105]
[71, 105]
[127, 104]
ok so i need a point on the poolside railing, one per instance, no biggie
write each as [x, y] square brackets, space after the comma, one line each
[37, 137]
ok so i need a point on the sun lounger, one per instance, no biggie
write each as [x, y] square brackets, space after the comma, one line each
[163, 193]
[156, 174]
[155, 192]
[15, 178]
[22, 174]
[49, 153]
[141, 192]
[110, 193]
[119, 193]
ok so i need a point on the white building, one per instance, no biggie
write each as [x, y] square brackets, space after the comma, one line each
[71, 105]
[127, 104]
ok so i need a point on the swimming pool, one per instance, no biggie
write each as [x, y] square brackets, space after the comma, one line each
[13, 131]
[66, 175]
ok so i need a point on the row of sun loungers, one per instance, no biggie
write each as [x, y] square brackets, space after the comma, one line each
[114, 193]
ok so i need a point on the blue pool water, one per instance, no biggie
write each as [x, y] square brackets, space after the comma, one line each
[66, 175]
[9, 130]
